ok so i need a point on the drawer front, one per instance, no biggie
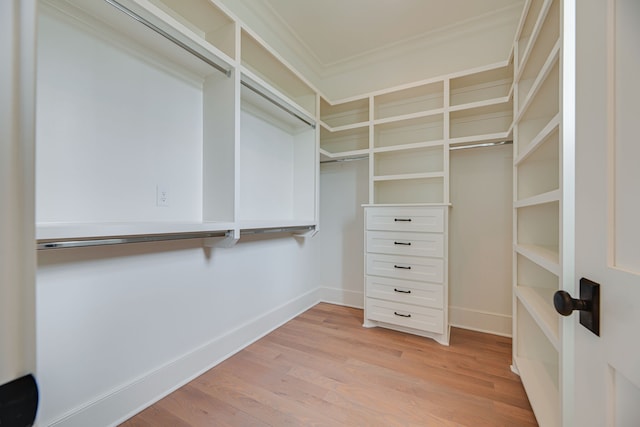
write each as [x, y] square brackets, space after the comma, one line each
[405, 291]
[423, 318]
[404, 267]
[406, 219]
[406, 243]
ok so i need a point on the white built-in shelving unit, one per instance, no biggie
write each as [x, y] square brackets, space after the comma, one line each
[407, 133]
[177, 121]
[538, 207]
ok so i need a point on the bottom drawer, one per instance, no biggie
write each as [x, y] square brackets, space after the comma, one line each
[410, 316]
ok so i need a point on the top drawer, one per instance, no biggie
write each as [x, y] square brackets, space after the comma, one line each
[429, 219]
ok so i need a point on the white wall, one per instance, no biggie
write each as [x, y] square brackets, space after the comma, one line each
[480, 239]
[339, 245]
[119, 325]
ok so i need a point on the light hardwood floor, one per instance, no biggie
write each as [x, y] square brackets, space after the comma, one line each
[324, 369]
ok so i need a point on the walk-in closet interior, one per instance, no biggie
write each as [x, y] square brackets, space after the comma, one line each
[199, 183]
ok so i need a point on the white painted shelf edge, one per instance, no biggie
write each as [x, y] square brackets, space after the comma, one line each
[535, 143]
[276, 95]
[405, 176]
[542, 312]
[539, 199]
[344, 127]
[532, 38]
[61, 230]
[545, 257]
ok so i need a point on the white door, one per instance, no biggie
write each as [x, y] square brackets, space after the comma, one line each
[607, 368]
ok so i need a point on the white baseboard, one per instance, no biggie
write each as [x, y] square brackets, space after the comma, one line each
[141, 392]
[342, 297]
[481, 321]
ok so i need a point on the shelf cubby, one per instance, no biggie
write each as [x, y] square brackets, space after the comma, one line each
[527, 33]
[422, 98]
[486, 120]
[138, 104]
[542, 107]
[481, 86]
[535, 288]
[344, 141]
[538, 362]
[411, 161]
[538, 227]
[349, 113]
[204, 19]
[539, 173]
[262, 62]
[415, 190]
[410, 131]
[539, 56]
[276, 149]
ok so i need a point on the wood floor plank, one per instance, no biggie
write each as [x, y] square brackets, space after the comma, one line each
[324, 369]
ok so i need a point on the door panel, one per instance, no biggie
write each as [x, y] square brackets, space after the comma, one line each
[607, 372]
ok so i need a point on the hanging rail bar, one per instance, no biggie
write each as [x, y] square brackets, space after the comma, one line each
[168, 36]
[278, 104]
[346, 159]
[481, 144]
[276, 230]
[81, 243]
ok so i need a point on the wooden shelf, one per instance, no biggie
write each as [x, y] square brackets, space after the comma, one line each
[409, 176]
[539, 304]
[529, 89]
[102, 18]
[531, 30]
[552, 126]
[540, 199]
[208, 22]
[401, 103]
[480, 87]
[265, 64]
[345, 115]
[546, 257]
[354, 139]
[55, 231]
[425, 160]
[489, 119]
[409, 131]
[325, 155]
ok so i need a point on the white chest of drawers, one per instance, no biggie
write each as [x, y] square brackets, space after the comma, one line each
[406, 284]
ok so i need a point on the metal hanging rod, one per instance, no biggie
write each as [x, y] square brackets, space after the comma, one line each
[168, 36]
[277, 230]
[278, 104]
[346, 159]
[81, 243]
[481, 144]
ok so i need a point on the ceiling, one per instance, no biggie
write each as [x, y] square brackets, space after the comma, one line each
[337, 31]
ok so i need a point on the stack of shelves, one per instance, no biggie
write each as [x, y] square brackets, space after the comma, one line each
[344, 129]
[176, 107]
[407, 131]
[537, 344]
[278, 164]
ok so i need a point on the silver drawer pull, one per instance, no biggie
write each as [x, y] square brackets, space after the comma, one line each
[402, 219]
[401, 315]
[402, 243]
[402, 267]
[401, 291]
